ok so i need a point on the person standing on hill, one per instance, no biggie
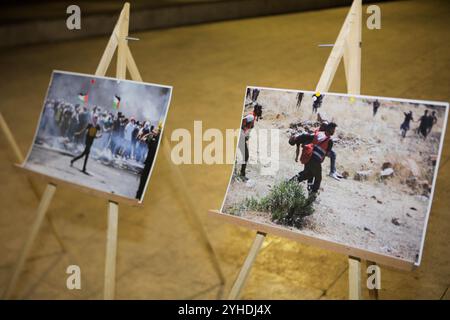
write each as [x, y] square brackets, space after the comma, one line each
[255, 94]
[317, 102]
[299, 99]
[248, 122]
[423, 126]
[431, 121]
[257, 111]
[376, 105]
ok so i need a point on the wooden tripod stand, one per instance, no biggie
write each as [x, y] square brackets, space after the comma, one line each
[347, 47]
[125, 60]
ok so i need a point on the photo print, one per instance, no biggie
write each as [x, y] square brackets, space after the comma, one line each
[100, 133]
[353, 173]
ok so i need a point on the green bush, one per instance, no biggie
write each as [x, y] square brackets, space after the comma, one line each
[286, 202]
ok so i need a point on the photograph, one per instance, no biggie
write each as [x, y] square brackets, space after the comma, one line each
[100, 133]
[354, 171]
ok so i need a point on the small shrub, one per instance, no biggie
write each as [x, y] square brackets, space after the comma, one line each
[286, 202]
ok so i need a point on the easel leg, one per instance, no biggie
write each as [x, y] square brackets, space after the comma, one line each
[124, 60]
[179, 181]
[42, 209]
[55, 233]
[111, 250]
[354, 278]
[9, 136]
[19, 156]
[247, 266]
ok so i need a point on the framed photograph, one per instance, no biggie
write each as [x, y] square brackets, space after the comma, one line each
[99, 133]
[354, 174]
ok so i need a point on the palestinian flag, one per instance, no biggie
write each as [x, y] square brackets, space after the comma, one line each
[116, 102]
[83, 97]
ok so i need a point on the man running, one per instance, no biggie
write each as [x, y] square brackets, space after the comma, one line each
[423, 126]
[404, 127]
[320, 144]
[331, 154]
[257, 111]
[91, 133]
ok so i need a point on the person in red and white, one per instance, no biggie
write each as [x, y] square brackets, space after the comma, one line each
[316, 146]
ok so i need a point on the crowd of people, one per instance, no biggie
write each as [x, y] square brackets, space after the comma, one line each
[426, 123]
[123, 136]
[316, 145]
[94, 127]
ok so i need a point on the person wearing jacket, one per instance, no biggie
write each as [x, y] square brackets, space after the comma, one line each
[321, 144]
[248, 122]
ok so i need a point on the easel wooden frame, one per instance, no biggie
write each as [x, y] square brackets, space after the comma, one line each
[347, 47]
[20, 158]
[125, 60]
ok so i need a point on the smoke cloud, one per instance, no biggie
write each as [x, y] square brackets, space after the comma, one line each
[142, 101]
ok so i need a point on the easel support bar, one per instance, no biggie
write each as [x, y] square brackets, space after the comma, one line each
[347, 46]
[10, 138]
[247, 266]
[178, 180]
[41, 211]
[354, 278]
[111, 251]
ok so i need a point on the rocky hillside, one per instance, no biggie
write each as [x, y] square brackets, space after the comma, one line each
[382, 203]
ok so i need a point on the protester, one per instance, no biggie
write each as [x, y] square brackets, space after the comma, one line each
[431, 122]
[404, 127]
[376, 105]
[316, 146]
[424, 123]
[299, 99]
[317, 102]
[296, 140]
[91, 131]
[151, 139]
[128, 138]
[248, 122]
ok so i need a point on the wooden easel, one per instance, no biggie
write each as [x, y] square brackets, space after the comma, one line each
[20, 158]
[348, 47]
[125, 60]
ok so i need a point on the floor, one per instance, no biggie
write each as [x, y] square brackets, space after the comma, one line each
[160, 251]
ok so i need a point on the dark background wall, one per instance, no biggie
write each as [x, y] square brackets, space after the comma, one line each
[32, 21]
